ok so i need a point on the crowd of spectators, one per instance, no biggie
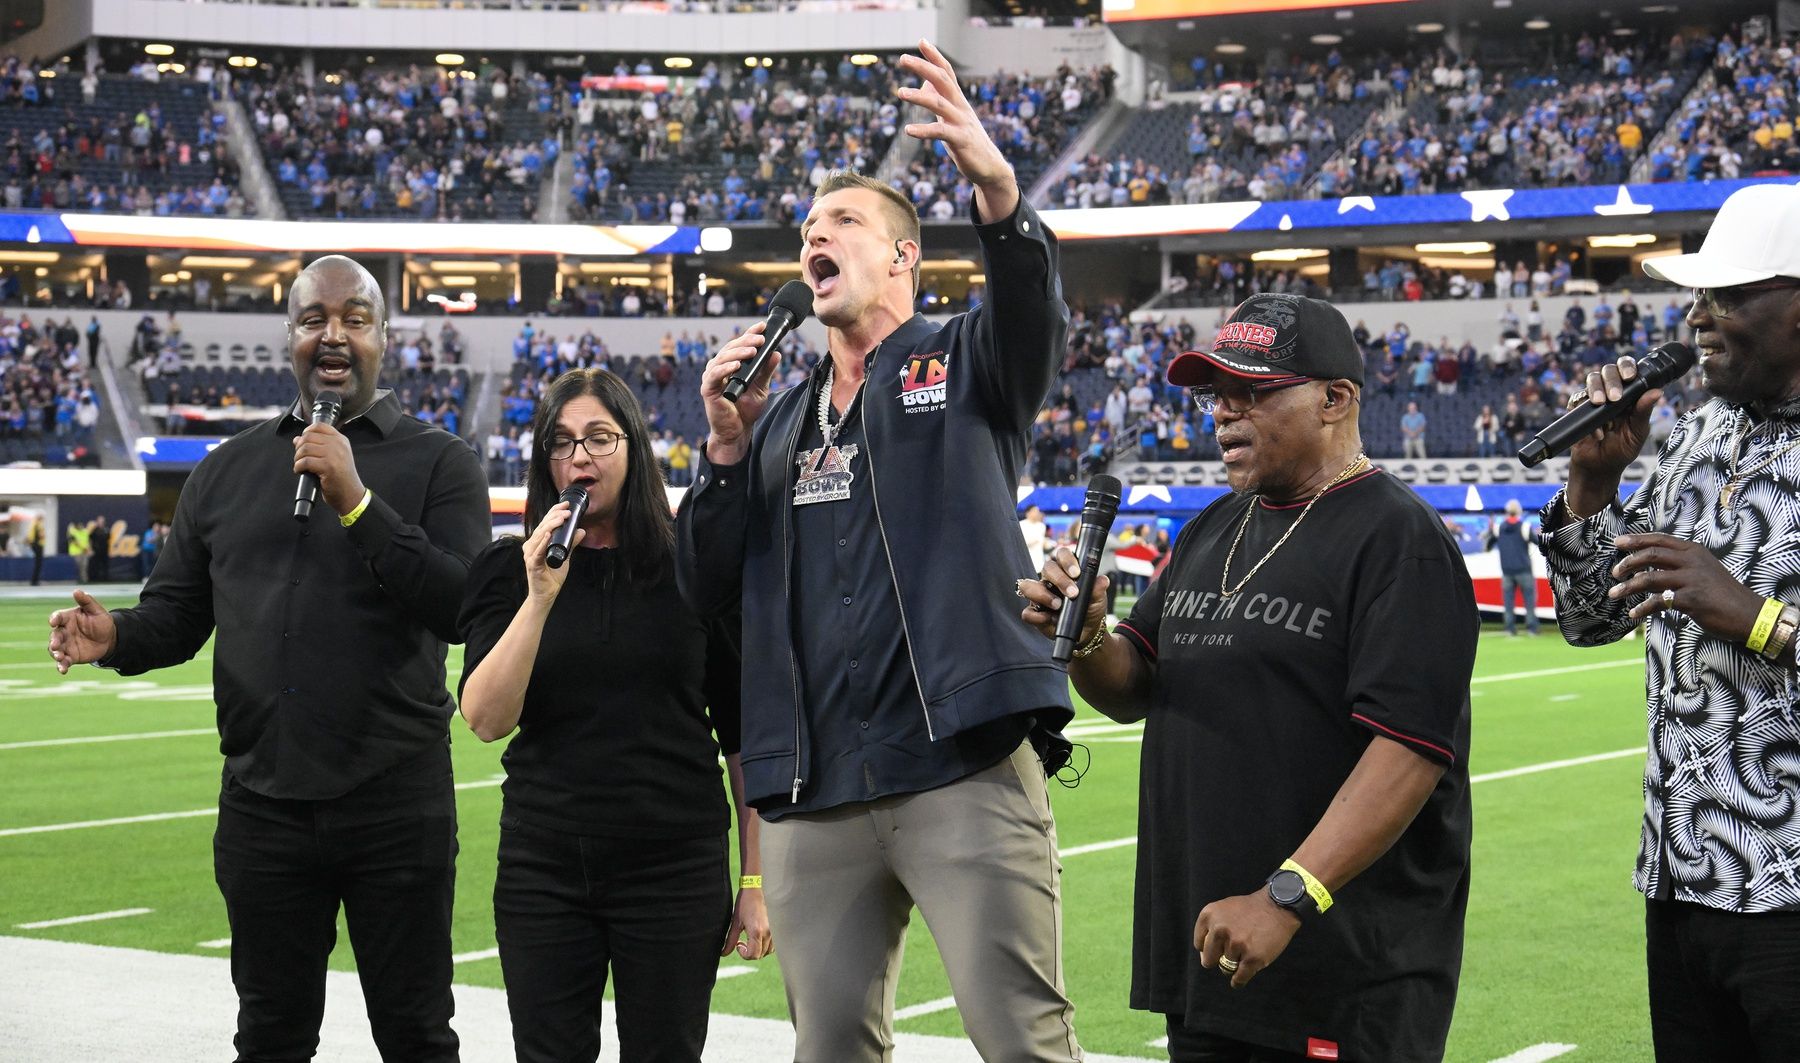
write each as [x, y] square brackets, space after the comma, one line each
[738, 144]
[1262, 134]
[69, 146]
[427, 143]
[1743, 124]
[1112, 401]
[47, 398]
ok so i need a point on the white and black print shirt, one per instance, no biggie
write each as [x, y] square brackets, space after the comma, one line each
[1722, 778]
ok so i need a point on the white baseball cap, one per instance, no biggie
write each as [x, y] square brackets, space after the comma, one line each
[1755, 236]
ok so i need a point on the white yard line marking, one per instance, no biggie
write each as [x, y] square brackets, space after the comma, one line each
[42, 742]
[154, 817]
[1096, 847]
[737, 971]
[1161, 1042]
[1552, 765]
[478, 954]
[216, 943]
[1109, 738]
[930, 1007]
[1537, 1053]
[1637, 662]
[122, 913]
[1564, 697]
[157, 817]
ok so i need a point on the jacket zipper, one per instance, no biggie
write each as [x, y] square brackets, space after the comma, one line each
[787, 589]
[881, 528]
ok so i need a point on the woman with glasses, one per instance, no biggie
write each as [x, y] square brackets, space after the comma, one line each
[613, 825]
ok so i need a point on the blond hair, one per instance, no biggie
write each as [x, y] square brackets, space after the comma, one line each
[902, 216]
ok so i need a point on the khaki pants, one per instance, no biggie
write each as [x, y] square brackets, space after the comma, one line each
[978, 858]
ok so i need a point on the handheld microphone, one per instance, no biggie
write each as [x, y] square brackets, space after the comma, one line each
[1664, 365]
[325, 409]
[1097, 514]
[564, 537]
[791, 305]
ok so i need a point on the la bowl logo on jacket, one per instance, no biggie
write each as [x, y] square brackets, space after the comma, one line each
[925, 382]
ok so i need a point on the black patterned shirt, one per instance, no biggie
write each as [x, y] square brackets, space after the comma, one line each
[1722, 776]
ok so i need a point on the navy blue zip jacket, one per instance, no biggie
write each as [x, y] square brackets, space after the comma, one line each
[947, 410]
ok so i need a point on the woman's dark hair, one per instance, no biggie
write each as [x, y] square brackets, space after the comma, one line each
[646, 529]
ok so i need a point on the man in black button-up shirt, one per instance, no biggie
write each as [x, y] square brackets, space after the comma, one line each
[329, 678]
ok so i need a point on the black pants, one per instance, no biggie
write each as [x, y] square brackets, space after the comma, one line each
[567, 907]
[1722, 984]
[1193, 1046]
[386, 851]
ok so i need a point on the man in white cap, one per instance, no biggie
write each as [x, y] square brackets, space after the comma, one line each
[1706, 552]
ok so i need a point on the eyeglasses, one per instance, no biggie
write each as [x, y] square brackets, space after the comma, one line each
[1724, 302]
[598, 445]
[1240, 398]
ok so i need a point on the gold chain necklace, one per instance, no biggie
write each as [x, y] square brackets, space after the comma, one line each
[1357, 464]
[1735, 480]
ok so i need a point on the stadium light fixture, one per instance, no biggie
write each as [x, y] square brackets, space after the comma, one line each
[678, 62]
[750, 60]
[715, 238]
[1457, 247]
[46, 73]
[29, 256]
[217, 262]
[459, 282]
[1229, 48]
[41, 271]
[1537, 24]
[171, 68]
[864, 59]
[169, 278]
[767, 62]
[1429, 27]
[448, 59]
[614, 268]
[1659, 9]
[159, 49]
[1625, 240]
[1327, 38]
[445, 265]
[1289, 254]
[1624, 31]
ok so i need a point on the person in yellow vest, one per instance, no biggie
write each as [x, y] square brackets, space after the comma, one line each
[79, 547]
[681, 462]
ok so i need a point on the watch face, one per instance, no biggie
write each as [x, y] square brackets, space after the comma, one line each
[1286, 888]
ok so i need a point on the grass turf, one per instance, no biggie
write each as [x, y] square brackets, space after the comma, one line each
[1554, 938]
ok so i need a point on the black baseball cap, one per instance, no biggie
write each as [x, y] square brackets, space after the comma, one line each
[1270, 336]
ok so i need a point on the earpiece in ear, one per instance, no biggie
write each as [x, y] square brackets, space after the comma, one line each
[1329, 401]
[899, 253]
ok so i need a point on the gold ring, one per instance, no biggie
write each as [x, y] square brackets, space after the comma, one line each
[1228, 965]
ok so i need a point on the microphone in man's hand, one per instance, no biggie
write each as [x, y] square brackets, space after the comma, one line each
[791, 305]
[563, 538]
[326, 407]
[1097, 514]
[1664, 365]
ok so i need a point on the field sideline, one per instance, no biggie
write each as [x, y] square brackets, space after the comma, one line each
[107, 790]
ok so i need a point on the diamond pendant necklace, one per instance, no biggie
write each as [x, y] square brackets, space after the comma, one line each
[1735, 481]
[1357, 464]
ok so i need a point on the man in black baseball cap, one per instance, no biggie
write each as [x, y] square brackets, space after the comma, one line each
[1276, 337]
[1305, 653]
[1274, 343]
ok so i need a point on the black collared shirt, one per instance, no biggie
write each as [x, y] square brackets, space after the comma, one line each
[328, 667]
[864, 720]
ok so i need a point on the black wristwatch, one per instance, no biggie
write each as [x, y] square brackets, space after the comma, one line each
[1288, 890]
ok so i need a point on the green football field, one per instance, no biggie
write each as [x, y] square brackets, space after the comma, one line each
[125, 773]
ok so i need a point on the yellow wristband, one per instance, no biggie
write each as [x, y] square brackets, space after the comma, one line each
[350, 518]
[750, 882]
[1765, 623]
[1320, 895]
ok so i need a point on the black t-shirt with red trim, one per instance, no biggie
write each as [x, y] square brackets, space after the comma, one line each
[1363, 623]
